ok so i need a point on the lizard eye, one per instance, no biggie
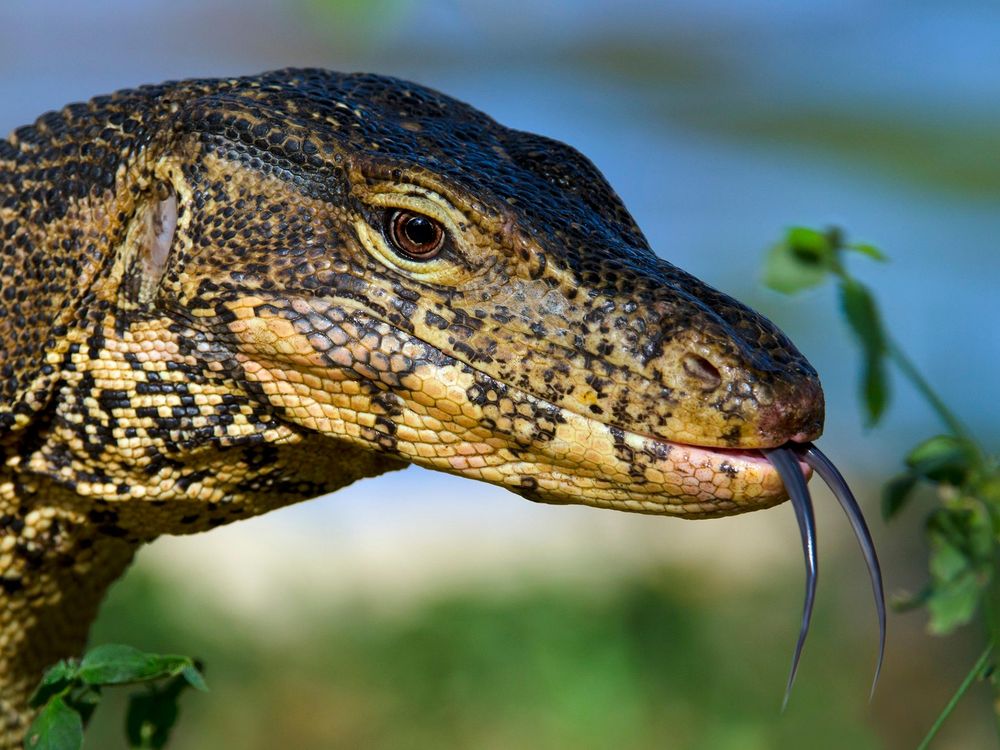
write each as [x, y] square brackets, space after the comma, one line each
[414, 235]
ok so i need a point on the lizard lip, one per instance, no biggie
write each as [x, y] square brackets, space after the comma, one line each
[744, 456]
[700, 481]
[740, 458]
[749, 455]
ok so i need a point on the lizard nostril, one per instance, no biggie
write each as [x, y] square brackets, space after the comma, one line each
[700, 368]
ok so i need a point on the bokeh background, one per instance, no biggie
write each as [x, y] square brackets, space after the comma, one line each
[421, 611]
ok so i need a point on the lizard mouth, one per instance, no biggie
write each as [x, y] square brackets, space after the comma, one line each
[505, 435]
[794, 463]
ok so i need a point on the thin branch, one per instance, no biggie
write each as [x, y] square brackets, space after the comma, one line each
[977, 670]
[912, 374]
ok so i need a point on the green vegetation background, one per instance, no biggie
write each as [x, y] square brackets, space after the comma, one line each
[651, 664]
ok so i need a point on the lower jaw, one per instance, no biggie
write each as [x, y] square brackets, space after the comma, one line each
[642, 474]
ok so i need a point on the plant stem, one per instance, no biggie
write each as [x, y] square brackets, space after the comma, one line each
[977, 669]
[911, 373]
[991, 615]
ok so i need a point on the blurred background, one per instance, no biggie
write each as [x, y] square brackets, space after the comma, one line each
[421, 611]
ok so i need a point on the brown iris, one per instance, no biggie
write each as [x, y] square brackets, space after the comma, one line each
[416, 236]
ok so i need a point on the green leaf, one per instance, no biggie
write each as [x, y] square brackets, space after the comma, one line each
[897, 494]
[981, 542]
[960, 566]
[811, 245]
[875, 387]
[948, 562]
[862, 314]
[150, 718]
[194, 678]
[153, 713]
[905, 602]
[84, 701]
[989, 488]
[932, 449]
[944, 459]
[953, 604]
[863, 317]
[56, 679]
[57, 727]
[870, 250]
[802, 260]
[115, 664]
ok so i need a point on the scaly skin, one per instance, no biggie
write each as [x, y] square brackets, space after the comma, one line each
[276, 345]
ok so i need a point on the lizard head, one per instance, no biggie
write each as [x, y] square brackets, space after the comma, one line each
[392, 268]
[228, 295]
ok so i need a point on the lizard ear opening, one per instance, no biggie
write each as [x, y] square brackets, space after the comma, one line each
[150, 239]
[162, 220]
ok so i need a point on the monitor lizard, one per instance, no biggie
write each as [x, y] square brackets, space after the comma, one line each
[219, 297]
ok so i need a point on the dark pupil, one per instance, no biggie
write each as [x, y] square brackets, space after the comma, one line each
[420, 231]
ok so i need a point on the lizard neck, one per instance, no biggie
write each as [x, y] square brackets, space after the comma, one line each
[55, 568]
[60, 549]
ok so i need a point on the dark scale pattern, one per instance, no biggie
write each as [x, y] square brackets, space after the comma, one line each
[204, 317]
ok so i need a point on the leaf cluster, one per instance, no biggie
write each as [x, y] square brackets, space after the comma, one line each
[962, 532]
[71, 690]
[806, 258]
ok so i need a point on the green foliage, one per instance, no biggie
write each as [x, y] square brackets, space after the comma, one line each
[57, 727]
[650, 658]
[70, 691]
[961, 564]
[806, 258]
[801, 261]
[116, 664]
[152, 714]
[863, 316]
[963, 531]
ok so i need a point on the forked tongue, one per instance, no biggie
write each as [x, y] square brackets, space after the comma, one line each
[786, 463]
